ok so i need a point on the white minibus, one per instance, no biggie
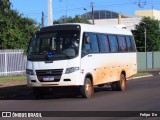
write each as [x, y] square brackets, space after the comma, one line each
[80, 55]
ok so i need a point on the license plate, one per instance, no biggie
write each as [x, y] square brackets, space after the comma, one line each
[48, 78]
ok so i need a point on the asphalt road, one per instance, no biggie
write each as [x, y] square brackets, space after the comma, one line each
[141, 95]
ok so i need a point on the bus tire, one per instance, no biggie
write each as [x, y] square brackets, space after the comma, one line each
[87, 89]
[38, 93]
[122, 84]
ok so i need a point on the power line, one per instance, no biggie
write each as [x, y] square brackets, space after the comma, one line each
[96, 5]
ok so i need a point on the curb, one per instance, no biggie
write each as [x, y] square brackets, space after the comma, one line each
[132, 78]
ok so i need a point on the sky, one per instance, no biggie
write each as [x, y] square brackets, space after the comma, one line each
[33, 8]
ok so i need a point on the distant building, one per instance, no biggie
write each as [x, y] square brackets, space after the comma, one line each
[105, 17]
[129, 23]
[148, 13]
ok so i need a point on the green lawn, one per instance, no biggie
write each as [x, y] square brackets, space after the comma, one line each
[11, 78]
[141, 74]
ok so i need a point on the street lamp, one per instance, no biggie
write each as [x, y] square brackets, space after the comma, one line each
[92, 12]
[86, 12]
[87, 15]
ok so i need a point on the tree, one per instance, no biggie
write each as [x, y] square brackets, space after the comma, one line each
[76, 19]
[14, 28]
[152, 27]
[5, 5]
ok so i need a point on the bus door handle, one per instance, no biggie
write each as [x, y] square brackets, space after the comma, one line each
[89, 55]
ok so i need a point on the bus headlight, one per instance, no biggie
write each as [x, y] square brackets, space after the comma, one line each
[71, 69]
[30, 72]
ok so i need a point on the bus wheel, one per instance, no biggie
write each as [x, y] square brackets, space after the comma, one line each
[122, 84]
[38, 93]
[87, 89]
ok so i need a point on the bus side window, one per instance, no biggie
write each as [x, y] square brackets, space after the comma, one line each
[133, 44]
[113, 43]
[122, 44]
[94, 43]
[103, 43]
[86, 45]
[129, 46]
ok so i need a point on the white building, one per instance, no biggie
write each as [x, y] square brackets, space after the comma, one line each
[148, 13]
[128, 22]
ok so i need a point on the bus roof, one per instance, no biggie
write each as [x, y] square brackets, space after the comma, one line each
[110, 29]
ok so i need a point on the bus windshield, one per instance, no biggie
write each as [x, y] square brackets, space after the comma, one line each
[56, 45]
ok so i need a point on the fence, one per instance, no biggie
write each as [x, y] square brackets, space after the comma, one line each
[148, 60]
[12, 62]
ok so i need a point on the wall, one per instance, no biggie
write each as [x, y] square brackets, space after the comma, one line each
[128, 22]
[149, 60]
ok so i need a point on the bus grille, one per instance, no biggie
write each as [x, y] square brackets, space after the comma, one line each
[54, 73]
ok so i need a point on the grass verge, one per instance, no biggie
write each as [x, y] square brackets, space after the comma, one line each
[141, 74]
[12, 78]
[23, 77]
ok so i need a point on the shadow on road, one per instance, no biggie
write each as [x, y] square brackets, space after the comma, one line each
[18, 92]
[22, 92]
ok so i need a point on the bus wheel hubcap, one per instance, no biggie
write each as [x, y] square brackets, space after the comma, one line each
[88, 89]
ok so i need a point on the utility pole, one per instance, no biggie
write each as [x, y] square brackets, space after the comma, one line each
[145, 39]
[145, 42]
[92, 12]
[50, 19]
[42, 21]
